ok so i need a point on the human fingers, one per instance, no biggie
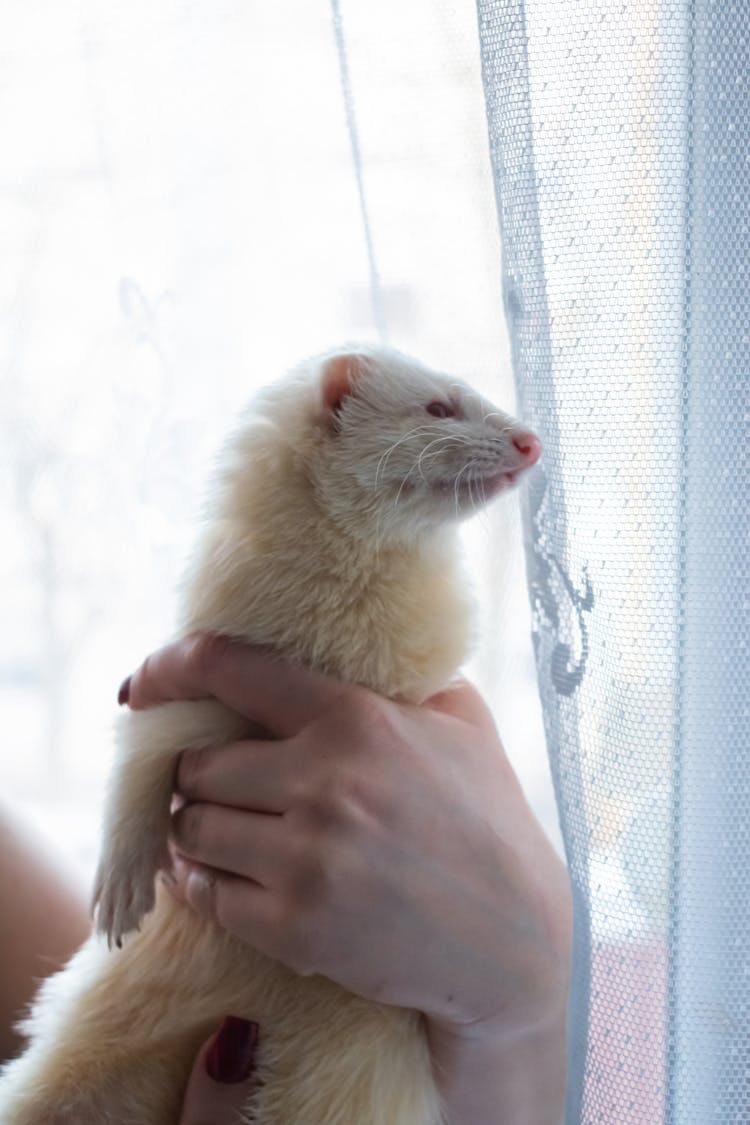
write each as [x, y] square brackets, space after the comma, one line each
[222, 1078]
[251, 774]
[409, 857]
[251, 845]
[280, 696]
[253, 913]
[289, 927]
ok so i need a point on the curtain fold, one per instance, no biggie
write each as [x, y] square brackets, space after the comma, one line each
[619, 146]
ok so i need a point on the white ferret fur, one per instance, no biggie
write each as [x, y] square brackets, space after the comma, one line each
[331, 538]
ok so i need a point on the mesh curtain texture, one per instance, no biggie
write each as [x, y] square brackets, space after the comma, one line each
[619, 143]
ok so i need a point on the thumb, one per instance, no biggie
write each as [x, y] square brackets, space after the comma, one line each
[222, 1078]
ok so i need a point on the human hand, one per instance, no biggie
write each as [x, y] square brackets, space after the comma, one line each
[386, 846]
[222, 1078]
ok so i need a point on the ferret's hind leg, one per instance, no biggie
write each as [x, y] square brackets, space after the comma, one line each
[123, 1089]
[119, 1091]
[113, 1036]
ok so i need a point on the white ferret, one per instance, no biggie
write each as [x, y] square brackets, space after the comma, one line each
[331, 539]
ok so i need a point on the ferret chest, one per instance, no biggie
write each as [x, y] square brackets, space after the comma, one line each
[404, 636]
[402, 627]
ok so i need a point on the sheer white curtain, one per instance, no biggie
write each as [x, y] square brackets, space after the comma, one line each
[620, 136]
[180, 218]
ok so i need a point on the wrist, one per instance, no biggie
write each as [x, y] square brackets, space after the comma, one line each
[495, 1074]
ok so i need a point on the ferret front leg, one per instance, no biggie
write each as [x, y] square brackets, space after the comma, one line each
[136, 824]
[137, 815]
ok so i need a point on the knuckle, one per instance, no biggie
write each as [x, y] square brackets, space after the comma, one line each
[335, 807]
[313, 880]
[306, 875]
[315, 883]
[359, 710]
[347, 796]
[340, 790]
[367, 723]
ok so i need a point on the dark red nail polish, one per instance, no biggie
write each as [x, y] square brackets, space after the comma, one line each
[123, 694]
[231, 1056]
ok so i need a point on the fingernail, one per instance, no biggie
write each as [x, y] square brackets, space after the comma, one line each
[123, 694]
[231, 1056]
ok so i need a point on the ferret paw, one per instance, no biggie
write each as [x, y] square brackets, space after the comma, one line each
[124, 892]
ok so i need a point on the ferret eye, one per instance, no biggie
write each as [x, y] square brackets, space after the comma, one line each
[440, 410]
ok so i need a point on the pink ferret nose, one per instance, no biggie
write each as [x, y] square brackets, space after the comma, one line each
[529, 446]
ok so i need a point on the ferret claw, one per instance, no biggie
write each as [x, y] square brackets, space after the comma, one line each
[124, 893]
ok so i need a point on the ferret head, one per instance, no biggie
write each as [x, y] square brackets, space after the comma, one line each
[388, 448]
[407, 449]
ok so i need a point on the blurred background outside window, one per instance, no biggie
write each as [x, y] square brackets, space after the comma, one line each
[179, 222]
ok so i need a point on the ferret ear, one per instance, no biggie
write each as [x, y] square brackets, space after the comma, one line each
[337, 380]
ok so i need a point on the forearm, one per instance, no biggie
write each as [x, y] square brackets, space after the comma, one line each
[494, 1081]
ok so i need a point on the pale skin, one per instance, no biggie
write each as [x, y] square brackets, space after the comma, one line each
[389, 847]
[43, 919]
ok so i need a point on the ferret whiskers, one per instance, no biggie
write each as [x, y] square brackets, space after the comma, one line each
[384, 456]
[401, 486]
[446, 439]
[456, 484]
